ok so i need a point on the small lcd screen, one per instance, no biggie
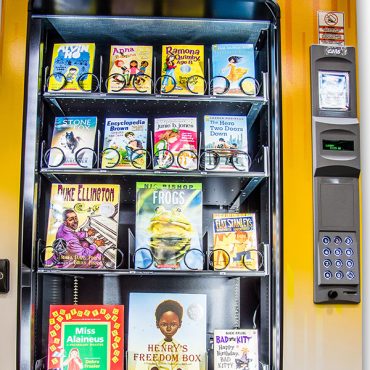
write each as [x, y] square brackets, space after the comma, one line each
[338, 145]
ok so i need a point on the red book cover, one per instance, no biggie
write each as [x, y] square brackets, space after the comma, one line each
[86, 337]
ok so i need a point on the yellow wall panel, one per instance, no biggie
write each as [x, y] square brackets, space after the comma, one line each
[319, 337]
[12, 62]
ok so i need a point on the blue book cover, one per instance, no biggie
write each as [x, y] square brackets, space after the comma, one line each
[234, 62]
[73, 142]
[167, 331]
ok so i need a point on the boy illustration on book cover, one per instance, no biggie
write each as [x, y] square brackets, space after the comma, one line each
[82, 226]
[235, 236]
[174, 330]
[235, 62]
[172, 136]
[134, 64]
[169, 226]
[85, 337]
[182, 68]
[73, 142]
[127, 138]
[226, 136]
[75, 62]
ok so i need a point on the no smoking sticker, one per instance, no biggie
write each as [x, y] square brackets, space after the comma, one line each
[331, 28]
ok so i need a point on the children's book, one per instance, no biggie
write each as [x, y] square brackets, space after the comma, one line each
[226, 143]
[234, 62]
[168, 226]
[175, 143]
[167, 331]
[75, 62]
[125, 143]
[73, 142]
[83, 226]
[234, 236]
[86, 337]
[182, 68]
[236, 349]
[129, 65]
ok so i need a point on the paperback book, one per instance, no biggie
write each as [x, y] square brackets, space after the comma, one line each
[175, 143]
[235, 62]
[234, 237]
[169, 226]
[183, 69]
[167, 331]
[73, 142]
[130, 64]
[71, 67]
[236, 349]
[125, 141]
[86, 337]
[226, 143]
[82, 226]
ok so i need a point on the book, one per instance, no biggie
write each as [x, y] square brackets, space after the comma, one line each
[226, 143]
[173, 135]
[73, 142]
[234, 62]
[236, 349]
[86, 337]
[180, 63]
[167, 331]
[236, 234]
[125, 141]
[168, 226]
[75, 62]
[82, 226]
[130, 61]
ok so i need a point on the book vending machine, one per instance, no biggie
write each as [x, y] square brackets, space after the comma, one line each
[152, 187]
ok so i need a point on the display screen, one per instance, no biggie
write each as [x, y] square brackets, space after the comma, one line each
[334, 90]
[338, 145]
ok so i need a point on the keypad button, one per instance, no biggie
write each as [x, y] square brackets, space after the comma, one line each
[338, 263]
[326, 252]
[339, 275]
[350, 275]
[348, 240]
[338, 251]
[326, 240]
[350, 264]
[327, 263]
[328, 275]
[349, 252]
[337, 240]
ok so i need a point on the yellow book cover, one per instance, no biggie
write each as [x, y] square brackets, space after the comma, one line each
[131, 67]
[74, 61]
[83, 226]
[235, 241]
[181, 63]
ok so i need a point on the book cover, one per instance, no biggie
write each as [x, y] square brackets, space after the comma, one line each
[235, 62]
[181, 62]
[128, 138]
[168, 226]
[86, 337]
[71, 134]
[74, 61]
[167, 331]
[236, 349]
[130, 61]
[227, 137]
[82, 226]
[236, 234]
[175, 135]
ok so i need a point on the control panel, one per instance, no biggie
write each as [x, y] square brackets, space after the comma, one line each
[336, 168]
